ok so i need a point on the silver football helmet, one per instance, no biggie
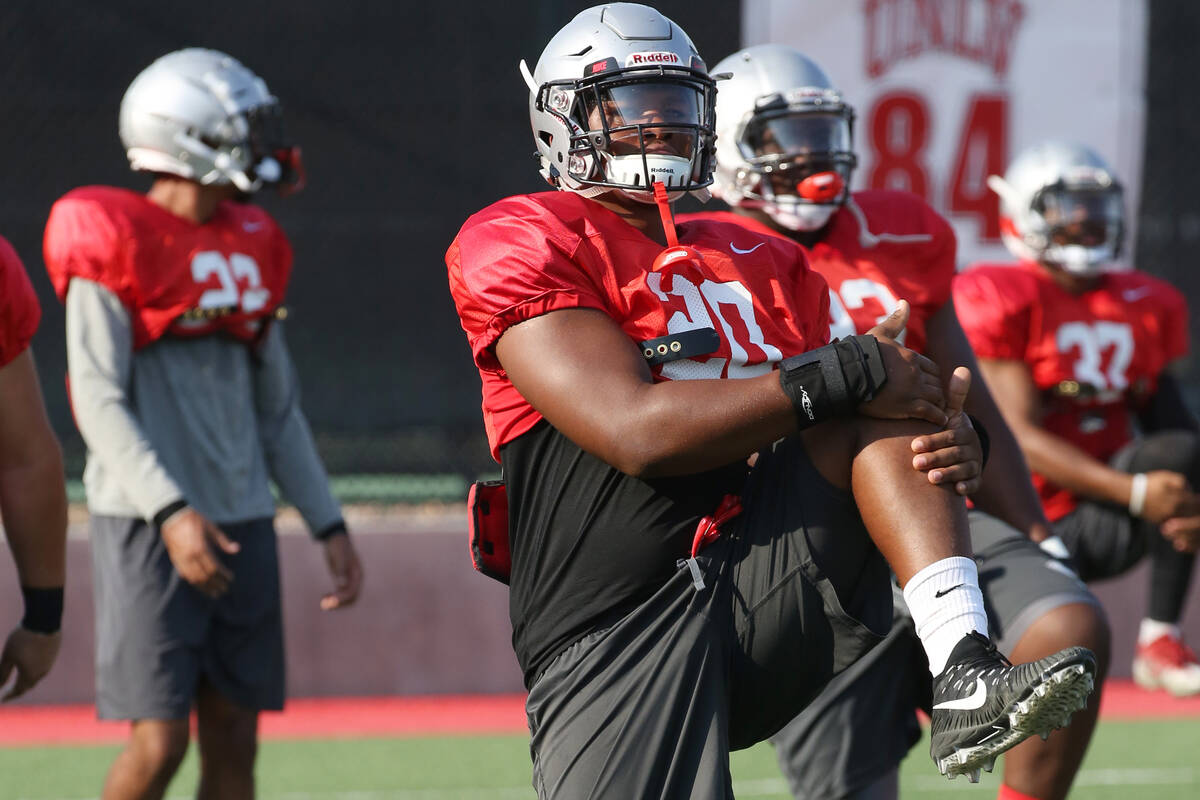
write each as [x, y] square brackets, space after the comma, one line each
[1061, 205]
[784, 137]
[619, 100]
[201, 115]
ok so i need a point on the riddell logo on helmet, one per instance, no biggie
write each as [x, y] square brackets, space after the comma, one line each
[651, 58]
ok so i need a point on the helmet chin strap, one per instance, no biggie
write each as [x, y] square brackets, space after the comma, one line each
[822, 191]
[1076, 259]
[676, 258]
[799, 216]
[664, 211]
[673, 171]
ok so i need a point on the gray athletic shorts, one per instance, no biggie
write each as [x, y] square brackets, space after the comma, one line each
[650, 706]
[864, 722]
[156, 635]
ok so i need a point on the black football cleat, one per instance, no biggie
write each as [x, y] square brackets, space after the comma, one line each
[983, 705]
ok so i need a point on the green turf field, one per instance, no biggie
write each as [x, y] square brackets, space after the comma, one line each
[1127, 760]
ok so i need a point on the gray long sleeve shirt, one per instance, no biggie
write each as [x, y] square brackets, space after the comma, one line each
[196, 419]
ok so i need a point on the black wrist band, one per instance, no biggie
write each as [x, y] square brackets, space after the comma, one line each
[985, 441]
[331, 530]
[43, 609]
[166, 511]
[833, 380]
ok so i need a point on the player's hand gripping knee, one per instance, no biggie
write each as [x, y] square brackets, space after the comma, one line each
[31, 655]
[914, 387]
[1168, 494]
[954, 455]
[192, 541]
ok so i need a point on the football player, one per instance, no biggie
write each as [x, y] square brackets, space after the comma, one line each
[1078, 354]
[669, 601]
[785, 157]
[33, 497]
[185, 394]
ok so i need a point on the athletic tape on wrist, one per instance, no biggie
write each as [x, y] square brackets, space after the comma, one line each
[43, 609]
[832, 380]
[1137, 494]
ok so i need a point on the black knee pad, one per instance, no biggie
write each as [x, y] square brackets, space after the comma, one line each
[1111, 545]
[1108, 555]
[1174, 450]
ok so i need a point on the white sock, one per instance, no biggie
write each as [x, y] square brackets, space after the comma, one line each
[1151, 629]
[942, 621]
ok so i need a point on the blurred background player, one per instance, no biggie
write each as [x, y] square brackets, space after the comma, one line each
[183, 389]
[33, 497]
[1077, 353]
[784, 161]
[657, 584]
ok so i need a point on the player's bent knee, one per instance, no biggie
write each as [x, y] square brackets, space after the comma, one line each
[834, 445]
[870, 431]
[1175, 450]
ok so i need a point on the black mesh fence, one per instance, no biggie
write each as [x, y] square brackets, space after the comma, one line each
[412, 115]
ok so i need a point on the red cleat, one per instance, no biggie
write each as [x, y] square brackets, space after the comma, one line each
[1167, 663]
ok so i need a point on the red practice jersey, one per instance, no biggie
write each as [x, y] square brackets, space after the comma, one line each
[174, 276]
[19, 309]
[1096, 357]
[881, 247]
[528, 255]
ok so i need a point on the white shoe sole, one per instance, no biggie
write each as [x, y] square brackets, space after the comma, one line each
[1150, 679]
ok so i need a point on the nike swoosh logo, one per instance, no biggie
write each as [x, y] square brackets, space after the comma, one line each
[975, 700]
[1135, 294]
[737, 249]
[944, 592]
[251, 227]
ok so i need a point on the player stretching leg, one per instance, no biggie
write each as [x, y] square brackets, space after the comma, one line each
[784, 162]
[651, 644]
